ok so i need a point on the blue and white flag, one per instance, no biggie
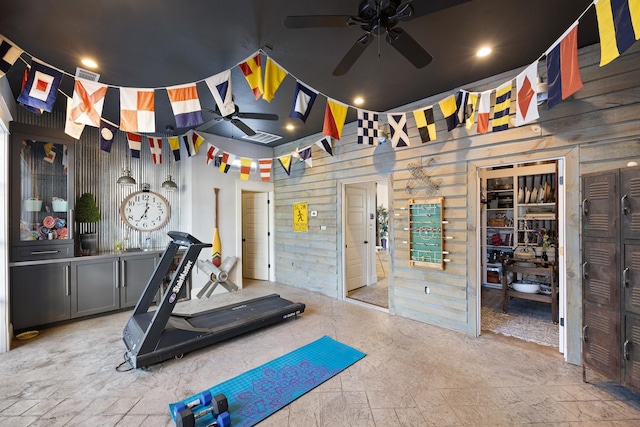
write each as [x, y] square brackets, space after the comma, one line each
[8, 55]
[398, 125]
[367, 127]
[107, 135]
[303, 100]
[41, 88]
[220, 87]
[305, 155]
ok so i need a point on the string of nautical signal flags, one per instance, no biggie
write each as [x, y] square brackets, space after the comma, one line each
[137, 105]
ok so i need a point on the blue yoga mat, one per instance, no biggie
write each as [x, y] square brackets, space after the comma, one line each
[258, 393]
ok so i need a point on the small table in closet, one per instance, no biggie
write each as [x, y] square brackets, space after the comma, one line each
[531, 267]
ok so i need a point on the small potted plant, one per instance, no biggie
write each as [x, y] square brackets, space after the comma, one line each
[548, 248]
[87, 214]
[383, 223]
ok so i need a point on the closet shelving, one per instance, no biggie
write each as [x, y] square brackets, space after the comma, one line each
[519, 209]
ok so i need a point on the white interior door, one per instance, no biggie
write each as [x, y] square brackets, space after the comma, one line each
[255, 235]
[356, 237]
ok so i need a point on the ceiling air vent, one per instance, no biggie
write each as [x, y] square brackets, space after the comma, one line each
[86, 74]
[262, 137]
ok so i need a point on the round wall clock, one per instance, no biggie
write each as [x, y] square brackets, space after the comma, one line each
[145, 210]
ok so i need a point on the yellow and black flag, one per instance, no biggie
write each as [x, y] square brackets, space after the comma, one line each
[426, 124]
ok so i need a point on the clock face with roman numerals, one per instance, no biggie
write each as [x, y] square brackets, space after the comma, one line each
[145, 210]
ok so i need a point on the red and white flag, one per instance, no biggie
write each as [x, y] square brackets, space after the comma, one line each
[155, 144]
[135, 144]
[484, 107]
[88, 99]
[212, 150]
[265, 168]
[137, 110]
[50, 154]
[527, 95]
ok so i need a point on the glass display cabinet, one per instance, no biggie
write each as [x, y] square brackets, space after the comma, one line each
[41, 193]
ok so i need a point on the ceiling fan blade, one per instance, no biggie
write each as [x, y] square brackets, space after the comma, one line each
[316, 21]
[421, 8]
[243, 127]
[257, 116]
[409, 48]
[206, 125]
[352, 55]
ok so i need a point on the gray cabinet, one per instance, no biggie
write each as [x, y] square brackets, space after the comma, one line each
[77, 287]
[94, 286]
[135, 272]
[40, 294]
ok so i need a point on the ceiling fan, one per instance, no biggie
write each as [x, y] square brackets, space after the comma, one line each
[375, 18]
[234, 118]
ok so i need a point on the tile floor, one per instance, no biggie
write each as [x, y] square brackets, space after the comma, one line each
[413, 375]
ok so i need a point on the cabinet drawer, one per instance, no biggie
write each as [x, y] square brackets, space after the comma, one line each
[42, 251]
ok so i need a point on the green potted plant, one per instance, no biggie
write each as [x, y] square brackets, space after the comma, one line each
[87, 214]
[383, 225]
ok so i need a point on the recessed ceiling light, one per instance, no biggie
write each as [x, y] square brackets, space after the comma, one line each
[483, 51]
[358, 100]
[290, 127]
[88, 62]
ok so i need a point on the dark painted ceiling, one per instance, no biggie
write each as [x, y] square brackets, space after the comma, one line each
[162, 43]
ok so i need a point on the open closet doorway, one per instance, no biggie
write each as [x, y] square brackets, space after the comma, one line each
[366, 235]
[521, 236]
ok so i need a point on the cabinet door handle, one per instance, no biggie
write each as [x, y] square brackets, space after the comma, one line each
[116, 265]
[66, 279]
[625, 277]
[584, 334]
[585, 207]
[625, 350]
[122, 269]
[623, 205]
[585, 273]
[44, 252]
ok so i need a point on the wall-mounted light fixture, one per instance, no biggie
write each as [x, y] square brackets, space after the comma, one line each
[170, 184]
[126, 180]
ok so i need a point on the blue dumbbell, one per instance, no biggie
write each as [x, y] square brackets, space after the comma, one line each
[222, 420]
[218, 408]
[204, 399]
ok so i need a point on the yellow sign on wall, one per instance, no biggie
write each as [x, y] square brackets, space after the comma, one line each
[301, 217]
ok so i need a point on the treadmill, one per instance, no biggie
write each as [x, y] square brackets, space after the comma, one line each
[154, 336]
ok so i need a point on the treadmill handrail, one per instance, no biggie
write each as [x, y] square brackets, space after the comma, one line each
[185, 239]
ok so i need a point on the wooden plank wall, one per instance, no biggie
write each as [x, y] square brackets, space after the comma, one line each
[595, 129]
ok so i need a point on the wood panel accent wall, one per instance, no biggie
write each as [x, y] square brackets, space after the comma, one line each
[595, 129]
